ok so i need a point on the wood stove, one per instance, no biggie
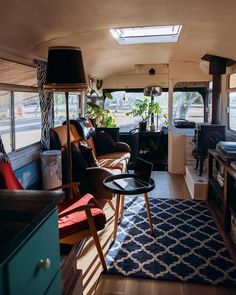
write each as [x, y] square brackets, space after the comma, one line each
[206, 137]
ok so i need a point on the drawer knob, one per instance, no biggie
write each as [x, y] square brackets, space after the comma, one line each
[44, 263]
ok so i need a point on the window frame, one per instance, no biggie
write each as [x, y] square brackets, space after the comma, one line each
[12, 88]
[229, 90]
[203, 92]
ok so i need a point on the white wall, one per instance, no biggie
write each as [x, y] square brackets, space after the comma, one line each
[180, 72]
[139, 77]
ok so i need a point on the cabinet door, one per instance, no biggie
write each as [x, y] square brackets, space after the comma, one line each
[54, 288]
[25, 273]
[2, 284]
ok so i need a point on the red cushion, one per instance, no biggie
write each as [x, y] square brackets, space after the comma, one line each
[8, 179]
[77, 221]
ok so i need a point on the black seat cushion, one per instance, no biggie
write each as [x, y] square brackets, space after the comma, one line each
[104, 143]
[88, 155]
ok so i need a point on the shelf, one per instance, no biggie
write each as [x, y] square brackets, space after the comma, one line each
[232, 207]
[225, 193]
[217, 188]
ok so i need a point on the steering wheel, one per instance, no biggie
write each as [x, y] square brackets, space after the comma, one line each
[135, 130]
[180, 120]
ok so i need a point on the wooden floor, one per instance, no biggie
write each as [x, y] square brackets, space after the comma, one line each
[94, 282]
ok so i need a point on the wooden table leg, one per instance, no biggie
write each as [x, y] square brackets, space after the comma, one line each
[122, 206]
[116, 215]
[148, 211]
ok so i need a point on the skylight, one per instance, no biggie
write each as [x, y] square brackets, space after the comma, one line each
[139, 35]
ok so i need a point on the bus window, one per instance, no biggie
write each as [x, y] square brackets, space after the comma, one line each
[232, 111]
[20, 116]
[232, 102]
[60, 107]
[27, 118]
[188, 105]
[121, 103]
[5, 122]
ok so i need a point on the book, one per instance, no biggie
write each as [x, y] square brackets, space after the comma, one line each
[220, 179]
[233, 165]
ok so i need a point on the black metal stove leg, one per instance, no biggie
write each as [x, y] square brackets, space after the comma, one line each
[197, 163]
[201, 166]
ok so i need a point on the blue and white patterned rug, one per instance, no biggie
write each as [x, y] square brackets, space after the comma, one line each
[186, 245]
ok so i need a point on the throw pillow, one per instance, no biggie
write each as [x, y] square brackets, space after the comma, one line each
[88, 155]
[104, 143]
[79, 163]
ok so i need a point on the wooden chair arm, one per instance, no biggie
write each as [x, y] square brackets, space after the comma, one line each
[87, 208]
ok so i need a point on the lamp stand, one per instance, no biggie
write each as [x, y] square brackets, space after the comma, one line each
[152, 115]
[65, 72]
[68, 152]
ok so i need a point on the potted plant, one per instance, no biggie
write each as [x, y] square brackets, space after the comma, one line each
[100, 116]
[144, 108]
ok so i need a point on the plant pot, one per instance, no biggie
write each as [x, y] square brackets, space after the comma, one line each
[143, 126]
[152, 127]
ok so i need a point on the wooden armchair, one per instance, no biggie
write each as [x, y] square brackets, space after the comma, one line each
[79, 217]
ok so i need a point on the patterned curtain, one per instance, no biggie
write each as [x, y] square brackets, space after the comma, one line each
[3, 154]
[46, 104]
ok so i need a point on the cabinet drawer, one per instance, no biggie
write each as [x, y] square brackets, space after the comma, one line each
[25, 276]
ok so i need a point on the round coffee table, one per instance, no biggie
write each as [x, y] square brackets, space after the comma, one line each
[130, 189]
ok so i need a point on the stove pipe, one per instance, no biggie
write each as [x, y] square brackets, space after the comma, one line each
[216, 69]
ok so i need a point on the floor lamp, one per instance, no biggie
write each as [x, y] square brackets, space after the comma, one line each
[65, 72]
[152, 91]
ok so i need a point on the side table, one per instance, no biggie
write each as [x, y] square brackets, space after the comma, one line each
[110, 184]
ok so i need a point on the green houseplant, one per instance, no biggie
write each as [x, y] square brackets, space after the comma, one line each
[144, 108]
[101, 117]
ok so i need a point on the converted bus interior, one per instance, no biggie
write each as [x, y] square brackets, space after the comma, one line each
[158, 82]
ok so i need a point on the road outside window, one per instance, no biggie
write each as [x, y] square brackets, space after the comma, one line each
[27, 119]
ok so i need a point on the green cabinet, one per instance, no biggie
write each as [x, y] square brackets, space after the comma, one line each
[55, 287]
[37, 262]
[30, 260]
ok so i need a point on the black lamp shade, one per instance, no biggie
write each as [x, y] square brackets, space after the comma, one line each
[65, 69]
